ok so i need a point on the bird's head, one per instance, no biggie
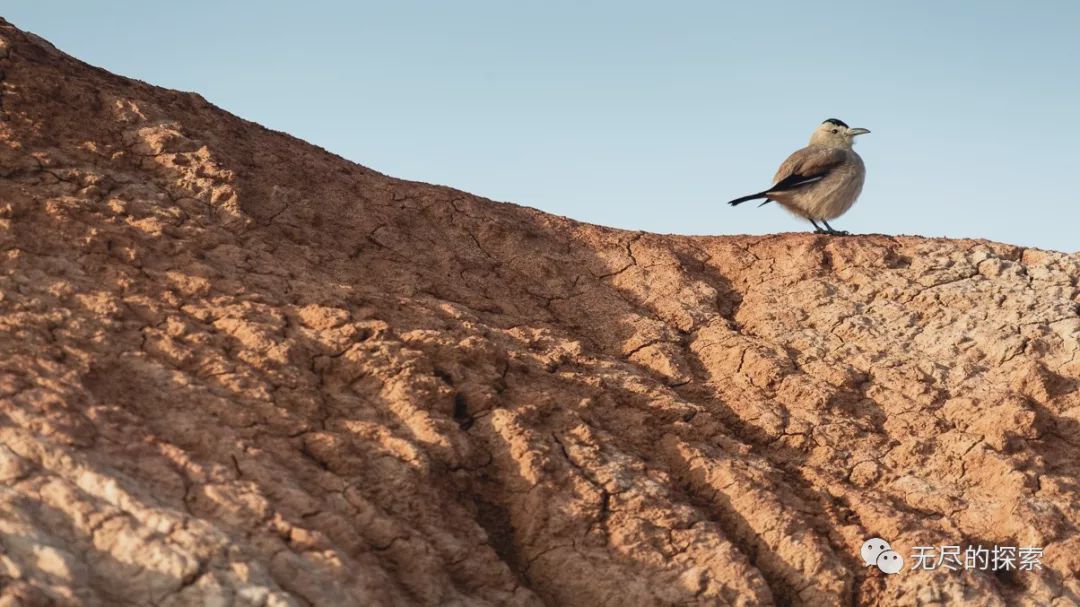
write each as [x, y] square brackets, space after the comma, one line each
[835, 133]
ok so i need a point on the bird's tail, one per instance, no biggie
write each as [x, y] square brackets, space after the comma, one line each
[739, 201]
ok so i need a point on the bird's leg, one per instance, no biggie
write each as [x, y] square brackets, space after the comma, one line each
[817, 228]
[834, 232]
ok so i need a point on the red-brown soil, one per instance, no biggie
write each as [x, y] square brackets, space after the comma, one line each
[236, 369]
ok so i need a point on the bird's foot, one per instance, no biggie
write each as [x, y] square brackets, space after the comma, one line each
[833, 232]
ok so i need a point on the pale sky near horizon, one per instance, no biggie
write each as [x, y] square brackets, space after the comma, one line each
[643, 115]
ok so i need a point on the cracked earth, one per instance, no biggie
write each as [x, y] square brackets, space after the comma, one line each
[239, 370]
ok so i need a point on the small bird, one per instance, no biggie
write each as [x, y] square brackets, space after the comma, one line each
[820, 181]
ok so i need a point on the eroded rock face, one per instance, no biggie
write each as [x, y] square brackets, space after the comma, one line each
[237, 369]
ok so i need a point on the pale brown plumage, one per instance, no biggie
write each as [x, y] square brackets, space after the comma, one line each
[842, 179]
[822, 180]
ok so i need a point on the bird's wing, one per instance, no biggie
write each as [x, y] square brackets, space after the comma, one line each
[808, 165]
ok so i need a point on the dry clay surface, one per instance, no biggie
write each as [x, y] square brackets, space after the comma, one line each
[239, 370]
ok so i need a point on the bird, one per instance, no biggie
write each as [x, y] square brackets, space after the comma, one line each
[822, 180]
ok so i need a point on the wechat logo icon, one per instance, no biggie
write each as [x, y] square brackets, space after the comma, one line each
[878, 553]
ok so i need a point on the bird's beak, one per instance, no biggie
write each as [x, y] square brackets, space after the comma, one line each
[854, 132]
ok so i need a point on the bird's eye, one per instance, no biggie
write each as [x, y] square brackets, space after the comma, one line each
[835, 131]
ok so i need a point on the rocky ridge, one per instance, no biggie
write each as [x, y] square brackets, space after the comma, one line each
[239, 370]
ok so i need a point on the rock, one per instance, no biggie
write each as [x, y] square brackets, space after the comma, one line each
[238, 369]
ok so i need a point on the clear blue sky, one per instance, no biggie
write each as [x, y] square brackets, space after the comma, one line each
[643, 115]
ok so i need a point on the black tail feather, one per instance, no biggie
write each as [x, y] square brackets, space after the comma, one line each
[739, 201]
[791, 182]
